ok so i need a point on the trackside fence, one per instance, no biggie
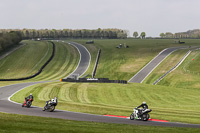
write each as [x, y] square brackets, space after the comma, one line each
[173, 68]
[97, 62]
[99, 80]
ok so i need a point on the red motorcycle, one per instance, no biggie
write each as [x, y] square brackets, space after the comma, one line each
[27, 103]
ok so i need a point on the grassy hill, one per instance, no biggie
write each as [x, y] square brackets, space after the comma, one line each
[122, 64]
[187, 75]
[64, 62]
[174, 98]
[28, 60]
[165, 66]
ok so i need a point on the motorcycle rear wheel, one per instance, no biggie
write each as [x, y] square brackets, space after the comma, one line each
[132, 117]
[145, 117]
[28, 104]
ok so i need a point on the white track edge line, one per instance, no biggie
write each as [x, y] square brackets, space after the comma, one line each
[147, 64]
[157, 65]
[80, 59]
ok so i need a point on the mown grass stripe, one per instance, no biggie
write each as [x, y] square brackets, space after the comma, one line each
[82, 93]
[64, 94]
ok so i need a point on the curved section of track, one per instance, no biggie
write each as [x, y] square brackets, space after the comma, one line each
[84, 61]
[146, 70]
[11, 107]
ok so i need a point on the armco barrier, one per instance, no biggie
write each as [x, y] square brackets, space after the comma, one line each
[97, 61]
[34, 75]
[99, 80]
[173, 68]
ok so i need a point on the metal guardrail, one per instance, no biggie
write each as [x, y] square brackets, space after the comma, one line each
[173, 68]
[97, 61]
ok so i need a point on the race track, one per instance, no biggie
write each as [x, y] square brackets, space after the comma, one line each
[84, 61]
[11, 107]
[146, 70]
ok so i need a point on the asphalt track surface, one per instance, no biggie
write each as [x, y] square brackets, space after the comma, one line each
[84, 61]
[10, 107]
[146, 70]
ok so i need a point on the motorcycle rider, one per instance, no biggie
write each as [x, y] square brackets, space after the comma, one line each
[144, 107]
[27, 99]
[54, 100]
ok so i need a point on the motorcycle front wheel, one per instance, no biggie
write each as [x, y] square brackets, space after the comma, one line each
[51, 109]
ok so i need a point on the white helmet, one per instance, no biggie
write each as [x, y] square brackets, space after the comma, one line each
[31, 94]
[52, 100]
[144, 102]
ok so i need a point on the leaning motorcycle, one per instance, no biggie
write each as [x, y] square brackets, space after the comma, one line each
[140, 114]
[27, 103]
[50, 105]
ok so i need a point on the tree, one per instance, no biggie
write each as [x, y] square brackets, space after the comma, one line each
[143, 34]
[169, 35]
[135, 34]
[162, 35]
[121, 35]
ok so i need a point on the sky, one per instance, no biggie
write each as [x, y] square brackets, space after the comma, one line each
[150, 16]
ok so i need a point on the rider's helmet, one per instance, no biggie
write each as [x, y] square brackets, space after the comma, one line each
[30, 94]
[143, 102]
[53, 100]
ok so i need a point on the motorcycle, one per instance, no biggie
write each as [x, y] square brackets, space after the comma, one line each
[27, 103]
[50, 105]
[140, 114]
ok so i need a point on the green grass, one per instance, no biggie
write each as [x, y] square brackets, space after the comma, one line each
[174, 98]
[26, 61]
[165, 66]
[64, 62]
[10, 123]
[168, 103]
[29, 59]
[122, 64]
[187, 75]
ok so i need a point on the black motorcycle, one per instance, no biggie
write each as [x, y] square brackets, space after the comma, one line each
[140, 114]
[50, 105]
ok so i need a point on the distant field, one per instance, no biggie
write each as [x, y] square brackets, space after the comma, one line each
[122, 64]
[168, 103]
[114, 63]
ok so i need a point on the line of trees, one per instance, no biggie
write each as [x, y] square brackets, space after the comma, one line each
[142, 35]
[167, 35]
[9, 39]
[188, 34]
[69, 33]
